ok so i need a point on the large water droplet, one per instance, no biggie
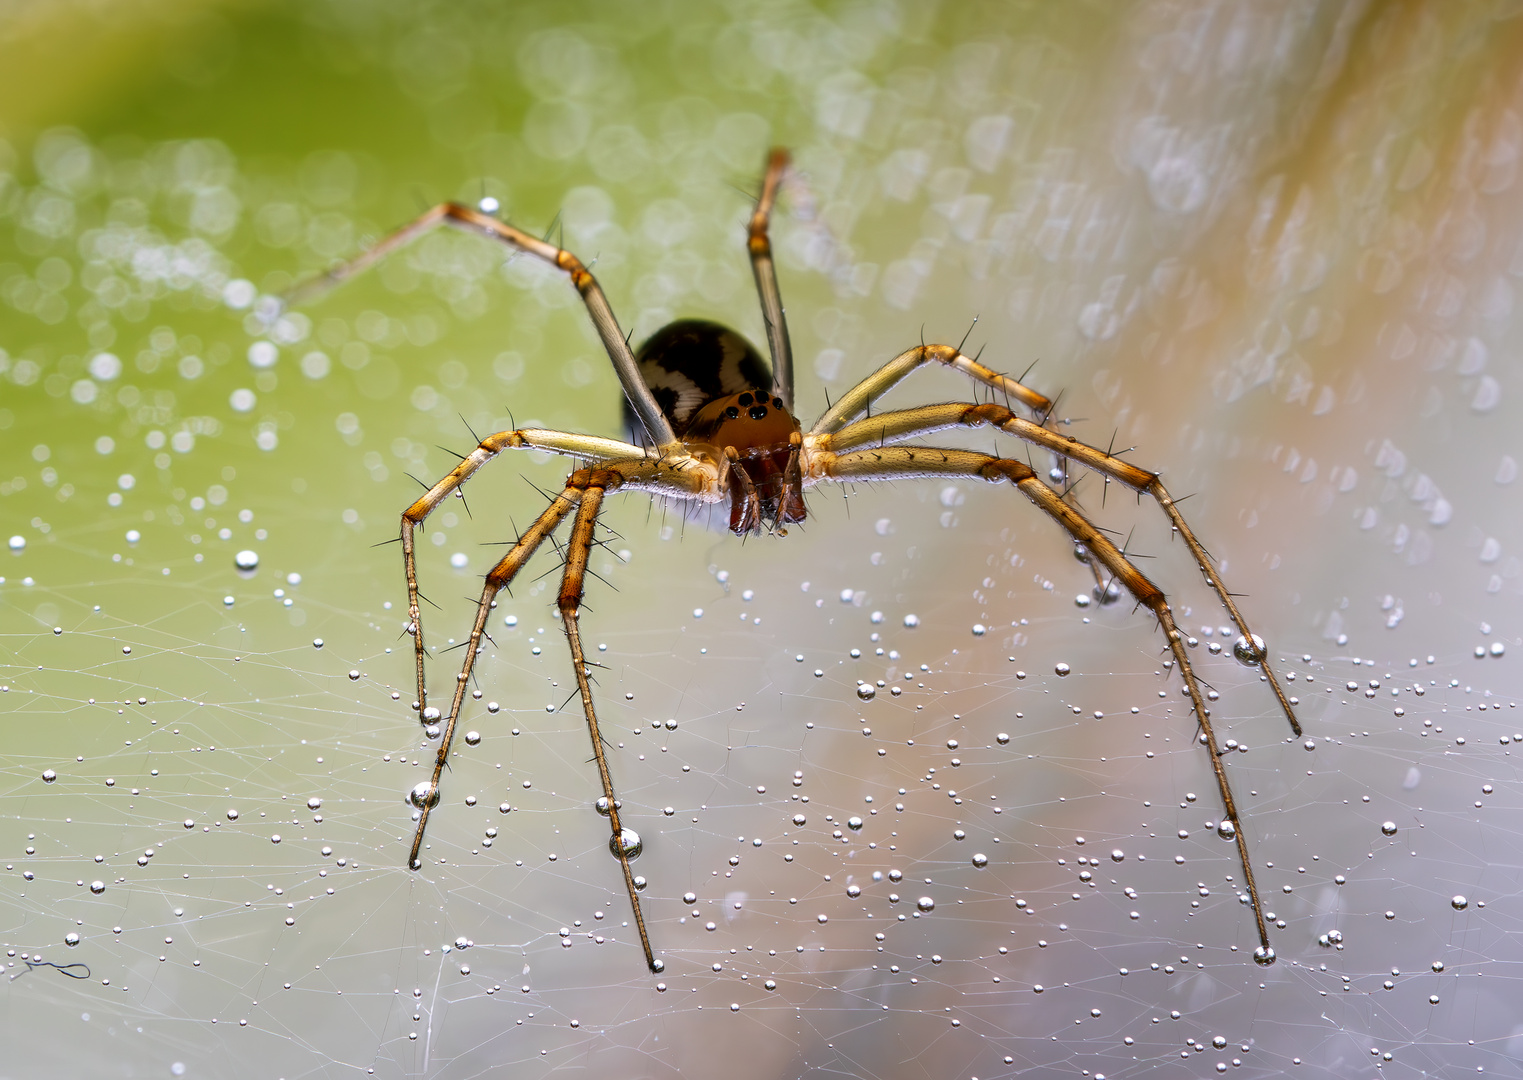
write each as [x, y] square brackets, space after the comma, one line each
[246, 559]
[1263, 956]
[97, 887]
[1388, 828]
[1061, 669]
[48, 776]
[866, 691]
[926, 904]
[1226, 830]
[424, 795]
[627, 843]
[1250, 653]
[980, 860]
[1458, 903]
[854, 823]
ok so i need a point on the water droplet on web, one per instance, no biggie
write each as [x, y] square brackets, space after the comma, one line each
[627, 843]
[799, 820]
[97, 887]
[1250, 653]
[71, 939]
[424, 795]
[1061, 669]
[48, 776]
[1226, 830]
[980, 860]
[314, 803]
[926, 904]
[18, 543]
[1388, 828]
[472, 738]
[854, 823]
[602, 805]
[1458, 903]
[246, 560]
[1263, 956]
[866, 691]
[911, 621]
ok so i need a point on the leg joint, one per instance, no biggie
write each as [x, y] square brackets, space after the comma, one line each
[997, 469]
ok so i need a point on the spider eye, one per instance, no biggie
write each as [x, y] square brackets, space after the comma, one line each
[732, 412]
[743, 400]
[758, 411]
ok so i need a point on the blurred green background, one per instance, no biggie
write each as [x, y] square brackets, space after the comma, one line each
[1273, 247]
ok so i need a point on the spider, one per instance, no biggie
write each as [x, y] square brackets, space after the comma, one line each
[719, 428]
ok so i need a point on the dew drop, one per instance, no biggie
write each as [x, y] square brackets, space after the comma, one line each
[627, 843]
[1061, 669]
[314, 803]
[472, 738]
[911, 621]
[18, 543]
[1250, 653]
[246, 560]
[1263, 956]
[854, 823]
[866, 691]
[48, 776]
[424, 795]
[71, 939]
[1388, 828]
[1458, 903]
[926, 904]
[97, 887]
[1226, 830]
[980, 860]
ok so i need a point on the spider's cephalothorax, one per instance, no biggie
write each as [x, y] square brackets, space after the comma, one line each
[714, 420]
[718, 393]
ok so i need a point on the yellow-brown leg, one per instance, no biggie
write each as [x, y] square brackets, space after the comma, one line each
[900, 462]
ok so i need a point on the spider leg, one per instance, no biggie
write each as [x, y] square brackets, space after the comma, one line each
[586, 447]
[892, 463]
[891, 427]
[759, 244]
[584, 490]
[499, 577]
[469, 220]
[856, 401]
[572, 588]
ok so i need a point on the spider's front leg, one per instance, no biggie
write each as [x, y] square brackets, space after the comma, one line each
[587, 447]
[900, 462]
[426, 795]
[624, 843]
[898, 425]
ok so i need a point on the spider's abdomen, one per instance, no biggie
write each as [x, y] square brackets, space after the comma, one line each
[692, 362]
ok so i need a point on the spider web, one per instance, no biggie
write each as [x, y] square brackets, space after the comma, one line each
[811, 733]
